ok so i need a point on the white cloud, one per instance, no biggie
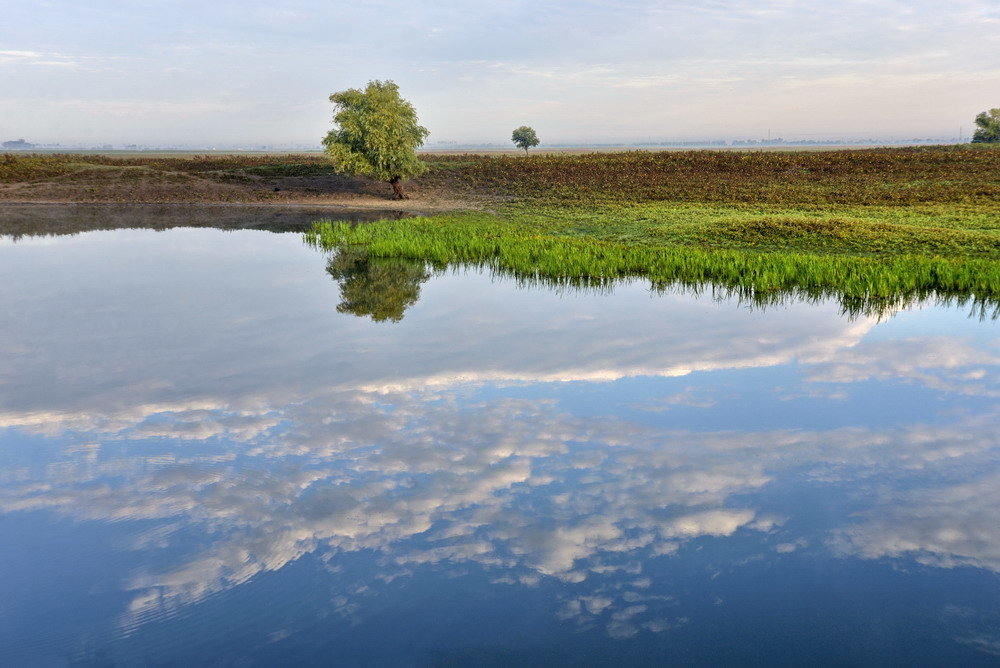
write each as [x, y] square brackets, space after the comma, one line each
[35, 59]
[576, 71]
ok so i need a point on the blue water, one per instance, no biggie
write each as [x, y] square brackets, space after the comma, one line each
[203, 461]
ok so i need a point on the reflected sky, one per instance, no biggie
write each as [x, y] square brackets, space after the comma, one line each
[202, 457]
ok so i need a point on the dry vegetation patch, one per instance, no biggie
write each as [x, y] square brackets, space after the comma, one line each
[895, 176]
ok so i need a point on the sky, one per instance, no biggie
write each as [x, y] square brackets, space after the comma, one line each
[163, 72]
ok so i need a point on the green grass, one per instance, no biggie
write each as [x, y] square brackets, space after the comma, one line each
[864, 257]
[947, 230]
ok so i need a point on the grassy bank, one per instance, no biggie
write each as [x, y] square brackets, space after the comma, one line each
[871, 226]
[559, 246]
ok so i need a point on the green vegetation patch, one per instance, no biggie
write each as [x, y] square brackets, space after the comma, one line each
[816, 253]
[971, 231]
[837, 234]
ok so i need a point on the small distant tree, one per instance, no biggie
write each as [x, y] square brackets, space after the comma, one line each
[524, 137]
[989, 126]
[376, 135]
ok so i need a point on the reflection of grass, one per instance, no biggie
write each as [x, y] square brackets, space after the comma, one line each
[870, 306]
[876, 256]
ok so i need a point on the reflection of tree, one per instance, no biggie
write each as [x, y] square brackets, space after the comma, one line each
[382, 288]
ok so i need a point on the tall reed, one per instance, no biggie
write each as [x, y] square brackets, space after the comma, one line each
[508, 248]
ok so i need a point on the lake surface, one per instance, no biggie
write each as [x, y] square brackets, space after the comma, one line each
[229, 448]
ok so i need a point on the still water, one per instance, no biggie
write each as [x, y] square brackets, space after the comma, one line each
[225, 447]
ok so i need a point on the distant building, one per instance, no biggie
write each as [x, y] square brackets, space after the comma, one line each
[18, 145]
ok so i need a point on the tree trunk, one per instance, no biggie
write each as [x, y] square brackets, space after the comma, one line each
[397, 189]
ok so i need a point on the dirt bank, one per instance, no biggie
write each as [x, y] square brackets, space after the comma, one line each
[274, 180]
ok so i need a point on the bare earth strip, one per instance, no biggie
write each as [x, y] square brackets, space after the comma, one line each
[145, 185]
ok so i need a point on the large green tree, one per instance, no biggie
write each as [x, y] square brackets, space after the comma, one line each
[524, 137]
[376, 135]
[989, 126]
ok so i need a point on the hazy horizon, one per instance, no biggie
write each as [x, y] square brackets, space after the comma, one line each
[432, 146]
[585, 73]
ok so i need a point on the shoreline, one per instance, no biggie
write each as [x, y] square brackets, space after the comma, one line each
[931, 202]
[401, 205]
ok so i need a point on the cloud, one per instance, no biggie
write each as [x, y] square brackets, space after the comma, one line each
[586, 71]
[36, 59]
[30, 55]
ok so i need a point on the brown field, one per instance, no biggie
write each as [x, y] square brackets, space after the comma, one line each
[154, 178]
[874, 176]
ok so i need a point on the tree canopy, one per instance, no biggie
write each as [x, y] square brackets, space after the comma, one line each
[524, 137]
[989, 126]
[376, 134]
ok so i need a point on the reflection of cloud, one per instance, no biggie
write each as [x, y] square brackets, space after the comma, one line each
[380, 440]
[689, 396]
[375, 474]
[989, 644]
[512, 485]
[942, 363]
[945, 526]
